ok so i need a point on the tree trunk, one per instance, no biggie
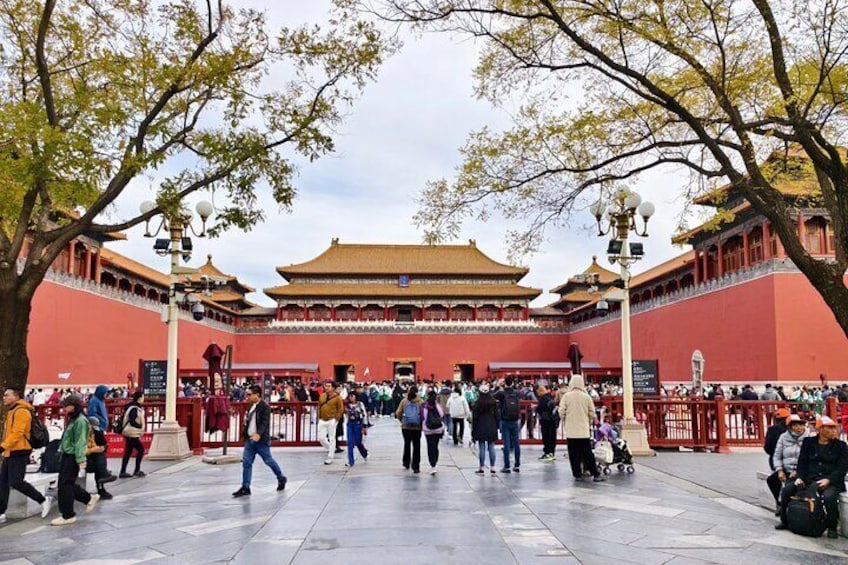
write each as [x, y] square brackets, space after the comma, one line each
[15, 309]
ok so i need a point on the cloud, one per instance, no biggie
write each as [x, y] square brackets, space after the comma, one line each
[405, 130]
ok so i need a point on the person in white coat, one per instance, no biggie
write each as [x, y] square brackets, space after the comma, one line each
[459, 412]
[577, 410]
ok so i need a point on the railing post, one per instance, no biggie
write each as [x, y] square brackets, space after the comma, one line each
[298, 423]
[721, 426]
[832, 408]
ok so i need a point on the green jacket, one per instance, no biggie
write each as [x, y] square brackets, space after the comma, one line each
[75, 438]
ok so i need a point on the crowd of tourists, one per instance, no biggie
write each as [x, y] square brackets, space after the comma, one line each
[808, 460]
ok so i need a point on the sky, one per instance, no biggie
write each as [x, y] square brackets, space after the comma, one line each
[405, 129]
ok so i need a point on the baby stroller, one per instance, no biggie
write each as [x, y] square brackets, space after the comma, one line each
[609, 449]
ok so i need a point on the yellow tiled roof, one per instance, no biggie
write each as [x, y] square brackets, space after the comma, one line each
[211, 270]
[687, 235]
[413, 290]
[605, 276]
[788, 184]
[679, 262]
[367, 259]
[142, 271]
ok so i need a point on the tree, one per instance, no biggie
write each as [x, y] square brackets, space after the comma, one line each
[98, 95]
[710, 86]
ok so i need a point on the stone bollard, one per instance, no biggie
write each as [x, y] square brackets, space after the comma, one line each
[764, 496]
[843, 514]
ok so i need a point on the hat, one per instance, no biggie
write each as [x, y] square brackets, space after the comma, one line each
[825, 421]
[794, 418]
[94, 421]
[782, 413]
[484, 388]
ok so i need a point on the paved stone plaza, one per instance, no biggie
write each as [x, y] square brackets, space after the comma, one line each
[378, 513]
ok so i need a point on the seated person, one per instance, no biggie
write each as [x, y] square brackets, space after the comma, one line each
[786, 453]
[823, 461]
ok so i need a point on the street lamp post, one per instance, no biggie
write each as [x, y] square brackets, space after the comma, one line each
[621, 220]
[169, 440]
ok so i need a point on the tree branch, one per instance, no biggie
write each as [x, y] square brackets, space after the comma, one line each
[41, 63]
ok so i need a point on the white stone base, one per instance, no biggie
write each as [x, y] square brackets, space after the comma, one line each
[21, 506]
[764, 497]
[843, 514]
[636, 437]
[170, 443]
[219, 459]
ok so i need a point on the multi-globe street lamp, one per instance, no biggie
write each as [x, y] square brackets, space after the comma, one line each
[621, 219]
[169, 440]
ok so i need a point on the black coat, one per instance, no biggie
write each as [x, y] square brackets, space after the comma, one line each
[262, 413]
[823, 462]
[484, 419]
[772, 435]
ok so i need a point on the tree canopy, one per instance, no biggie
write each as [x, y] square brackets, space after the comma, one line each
[610, 89]
[101, 97]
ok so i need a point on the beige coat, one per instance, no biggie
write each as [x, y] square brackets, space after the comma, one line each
[576, 409]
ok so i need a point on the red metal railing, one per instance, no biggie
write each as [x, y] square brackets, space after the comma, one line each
[698, 424]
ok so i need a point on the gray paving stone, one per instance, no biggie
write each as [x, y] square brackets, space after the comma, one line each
[377, 512]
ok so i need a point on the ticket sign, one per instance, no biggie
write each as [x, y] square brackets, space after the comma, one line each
[646, 377]
[154, 378]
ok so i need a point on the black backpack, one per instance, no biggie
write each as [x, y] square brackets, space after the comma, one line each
[434, 421]
[50, 458]
[38, 435]
[512, 405]
[805, 513]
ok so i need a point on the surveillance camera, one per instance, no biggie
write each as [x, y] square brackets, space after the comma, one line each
[602, 308]
[198, 311]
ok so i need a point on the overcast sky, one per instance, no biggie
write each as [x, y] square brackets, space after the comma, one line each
[405, 130]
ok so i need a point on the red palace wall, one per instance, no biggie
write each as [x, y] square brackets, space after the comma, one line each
[768, 329]
[99, 340]
[809, 341]
[433, 353]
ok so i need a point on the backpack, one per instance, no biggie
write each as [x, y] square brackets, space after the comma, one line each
[512, 406]
[118, 423]
[434, 421]
[38, 435]
[353, 415]
[805, 513]
[50, 458]
[411, 414]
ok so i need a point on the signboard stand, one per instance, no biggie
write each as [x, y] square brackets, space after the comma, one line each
[646, 377]
[154, 378]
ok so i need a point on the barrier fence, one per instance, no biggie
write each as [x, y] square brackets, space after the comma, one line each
[698, 424]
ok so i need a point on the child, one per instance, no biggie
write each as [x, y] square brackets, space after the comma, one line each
[95, 455]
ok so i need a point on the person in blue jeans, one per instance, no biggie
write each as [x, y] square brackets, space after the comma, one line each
[357, 421]
[257, 442]
[509, 403]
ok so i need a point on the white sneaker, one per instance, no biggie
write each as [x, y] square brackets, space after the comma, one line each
[432, 470]
[2, 518]
[63, 521]
[328, 461]
[92, 503]
[45, 506]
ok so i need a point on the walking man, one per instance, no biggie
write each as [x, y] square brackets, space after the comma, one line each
[257, 441]
[510, 409]
[330, 411]
[15, 451]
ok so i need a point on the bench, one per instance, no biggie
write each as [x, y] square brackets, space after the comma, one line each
[21, 506]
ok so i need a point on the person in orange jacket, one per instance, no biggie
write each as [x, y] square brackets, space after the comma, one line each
[15, 450]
